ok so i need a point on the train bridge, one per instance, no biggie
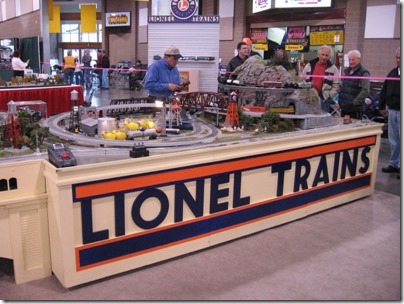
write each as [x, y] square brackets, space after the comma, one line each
[188, 101]
[203, 100]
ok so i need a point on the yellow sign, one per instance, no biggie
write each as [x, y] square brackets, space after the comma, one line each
[293, 47]
[263, 47]
[327, 37]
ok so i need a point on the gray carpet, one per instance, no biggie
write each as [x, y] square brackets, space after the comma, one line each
[351, 252]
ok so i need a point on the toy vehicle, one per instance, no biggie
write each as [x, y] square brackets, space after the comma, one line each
[61, 156]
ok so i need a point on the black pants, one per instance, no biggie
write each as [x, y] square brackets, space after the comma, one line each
[18, 73]
[352, 114]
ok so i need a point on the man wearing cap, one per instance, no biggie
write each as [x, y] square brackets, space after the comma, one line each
[252, 52]
[162, 78]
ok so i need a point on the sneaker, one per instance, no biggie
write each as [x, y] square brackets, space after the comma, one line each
[390, 169]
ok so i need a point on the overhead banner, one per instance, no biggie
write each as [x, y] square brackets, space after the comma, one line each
[54, 24]
[50, 9]
[88, 18]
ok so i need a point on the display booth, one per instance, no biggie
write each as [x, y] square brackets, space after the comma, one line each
[108, 218]
[57, 98]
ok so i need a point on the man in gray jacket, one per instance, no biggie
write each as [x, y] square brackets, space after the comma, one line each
[325, 77]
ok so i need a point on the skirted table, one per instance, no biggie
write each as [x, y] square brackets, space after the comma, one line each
[57, 98]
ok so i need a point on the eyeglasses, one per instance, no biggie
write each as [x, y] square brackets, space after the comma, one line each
[173, 56]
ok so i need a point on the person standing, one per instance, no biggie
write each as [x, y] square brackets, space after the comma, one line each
[18, 65]
[163, 78]
[389, 106]
[327, 83]
[354, 88]
[105, 64]
[86, 61]
[243, 50]
[78, 73]
[69, 64]
[98, 69]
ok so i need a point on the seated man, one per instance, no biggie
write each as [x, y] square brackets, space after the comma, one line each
[136, 75]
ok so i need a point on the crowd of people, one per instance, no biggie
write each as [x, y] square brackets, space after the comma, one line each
[80, 72]
[348, 93]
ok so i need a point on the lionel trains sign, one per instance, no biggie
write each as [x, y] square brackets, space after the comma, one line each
[133, 215]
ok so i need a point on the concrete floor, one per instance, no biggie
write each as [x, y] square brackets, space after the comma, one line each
[351, 252]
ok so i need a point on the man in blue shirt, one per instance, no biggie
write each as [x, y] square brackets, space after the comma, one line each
[162, 78]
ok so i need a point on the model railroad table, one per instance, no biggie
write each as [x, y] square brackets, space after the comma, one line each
[57, 98]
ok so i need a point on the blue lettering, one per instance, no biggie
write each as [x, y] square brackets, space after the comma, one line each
[89, 236]
[137, 204]
[301, 180]
[365, 159]
[182, 195]
[237, 200]
[119, 214]
[336, 166]
[216, 193]
[322, 172]
[280, 169]
[348, 163]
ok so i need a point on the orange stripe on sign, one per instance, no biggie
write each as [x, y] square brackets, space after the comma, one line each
[157, 178]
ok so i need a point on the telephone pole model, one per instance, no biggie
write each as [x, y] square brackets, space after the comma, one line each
[13, 131]
[232, 111]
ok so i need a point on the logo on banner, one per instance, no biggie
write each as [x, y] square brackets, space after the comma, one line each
[184, 9]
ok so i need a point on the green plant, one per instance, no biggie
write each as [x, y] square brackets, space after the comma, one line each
[245, 120]
[270, 118]
[37, 132]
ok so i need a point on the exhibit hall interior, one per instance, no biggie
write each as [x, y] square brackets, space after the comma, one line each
[200, 150]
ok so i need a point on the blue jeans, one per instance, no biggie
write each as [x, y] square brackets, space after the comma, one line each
[394, 137]
[79, 78]
[105, 80]
[87, 72]
[68, 76]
